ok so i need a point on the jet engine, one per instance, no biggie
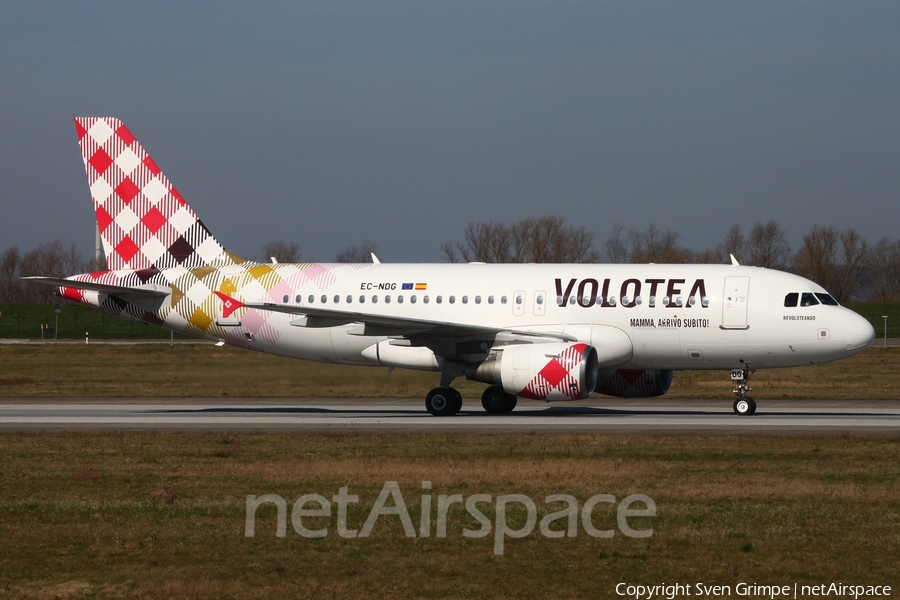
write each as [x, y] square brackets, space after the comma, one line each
[553, 371]
[634, 383]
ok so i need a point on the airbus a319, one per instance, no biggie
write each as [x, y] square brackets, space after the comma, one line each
[541, 331]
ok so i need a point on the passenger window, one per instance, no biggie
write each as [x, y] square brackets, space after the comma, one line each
[807, 299]
[665, 300]
[678, 301]
[502, 299]
[465, 299]
[519, 299]
[452, 299]
[337, 299]
[704, 301]
[286, 298]
[374, 299]
[412, 299]
[399, 299]
[387, 299]
[559, 300]
[692, 300]
[425, 299]
[571, 300]
[638, 300]
[311, 299]
[490, 299]
[299, 299]
[362, 299]
[439, 299]
[826, 299]
[791, 299]
[324, 299]
[612, 300]
[652, 301]
[478, 300]
[349, 299]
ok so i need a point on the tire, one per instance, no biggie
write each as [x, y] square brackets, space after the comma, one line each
[498, 402]
[745, 406]
[442, 402]
[493, 399]
[457, 401]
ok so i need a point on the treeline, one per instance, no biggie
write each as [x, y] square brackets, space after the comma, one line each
[841, 260]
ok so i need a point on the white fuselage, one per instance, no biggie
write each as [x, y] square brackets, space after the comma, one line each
[675, 316]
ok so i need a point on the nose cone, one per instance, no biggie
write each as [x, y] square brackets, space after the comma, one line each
[858, 332]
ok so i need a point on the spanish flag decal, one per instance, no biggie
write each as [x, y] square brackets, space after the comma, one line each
[421, 286]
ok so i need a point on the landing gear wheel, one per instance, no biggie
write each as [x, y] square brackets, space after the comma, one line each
[745, 406]
[496, 401]
[457, 400]
[443, 402]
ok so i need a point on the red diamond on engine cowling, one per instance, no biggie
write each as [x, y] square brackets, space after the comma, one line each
[553, 372]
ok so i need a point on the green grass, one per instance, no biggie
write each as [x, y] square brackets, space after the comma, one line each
[162, 515]
[204, 370]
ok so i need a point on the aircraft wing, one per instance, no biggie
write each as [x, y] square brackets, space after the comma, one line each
[392, 325]
[119, 290]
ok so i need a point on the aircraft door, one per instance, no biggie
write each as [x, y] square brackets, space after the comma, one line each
[519, 303]
[735, 297]
[540, 303]
[233, 319]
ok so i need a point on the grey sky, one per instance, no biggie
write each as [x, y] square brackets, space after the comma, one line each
[326, 123]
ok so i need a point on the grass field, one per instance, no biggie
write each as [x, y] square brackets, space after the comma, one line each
[204, 370]
[139, 515]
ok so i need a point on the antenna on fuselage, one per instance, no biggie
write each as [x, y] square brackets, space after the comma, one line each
[734, 261]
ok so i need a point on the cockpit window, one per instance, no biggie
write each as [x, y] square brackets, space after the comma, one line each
[791, 299]
[808, 299]
[826, 299]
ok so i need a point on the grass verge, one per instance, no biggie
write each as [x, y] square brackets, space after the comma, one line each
[203, 370]
[162, 515]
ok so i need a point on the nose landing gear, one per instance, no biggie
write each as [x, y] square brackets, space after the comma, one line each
[744, 405]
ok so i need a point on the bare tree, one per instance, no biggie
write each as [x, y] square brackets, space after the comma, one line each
[767, 246]
[732, 245]
[281, 250]
[9, 274]
[536, 239]
[653, 245]
[51, 259]
[836, 260]
[616, 245]
[357, 253]
[885, 270]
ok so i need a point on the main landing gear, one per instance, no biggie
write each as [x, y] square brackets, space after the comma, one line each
[496, 401]
[744, 405]
[443, 401]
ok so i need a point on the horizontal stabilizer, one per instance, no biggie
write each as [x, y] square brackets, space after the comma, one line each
[150, 291]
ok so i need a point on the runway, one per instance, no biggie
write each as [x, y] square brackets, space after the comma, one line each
[407, 415]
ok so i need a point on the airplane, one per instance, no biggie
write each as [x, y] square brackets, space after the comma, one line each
[551, 332]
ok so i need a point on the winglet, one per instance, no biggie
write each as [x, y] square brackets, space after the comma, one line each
[231, 304]
[734, 261]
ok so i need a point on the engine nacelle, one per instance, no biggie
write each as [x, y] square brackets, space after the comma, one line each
[565, 371]
[634, 383]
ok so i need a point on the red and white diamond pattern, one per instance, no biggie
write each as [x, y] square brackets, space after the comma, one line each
[559, 377]
[144, 222]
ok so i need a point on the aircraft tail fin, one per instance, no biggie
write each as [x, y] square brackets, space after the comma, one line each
[144, 222]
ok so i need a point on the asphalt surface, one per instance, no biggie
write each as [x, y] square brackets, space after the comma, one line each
[406, 415]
